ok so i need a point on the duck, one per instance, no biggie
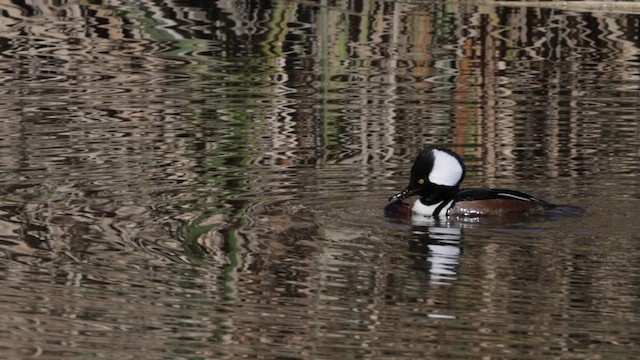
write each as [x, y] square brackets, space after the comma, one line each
[436, 176]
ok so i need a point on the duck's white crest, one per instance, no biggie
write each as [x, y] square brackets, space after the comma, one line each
[447, 170]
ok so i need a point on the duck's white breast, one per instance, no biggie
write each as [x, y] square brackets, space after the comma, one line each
[420, 209]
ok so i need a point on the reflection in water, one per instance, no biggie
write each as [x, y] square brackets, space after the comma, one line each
[206, 179]
[437, 250]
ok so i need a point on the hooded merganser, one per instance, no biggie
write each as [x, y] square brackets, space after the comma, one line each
[436, 176]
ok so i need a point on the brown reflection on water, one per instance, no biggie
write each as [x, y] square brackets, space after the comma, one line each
[206, 179]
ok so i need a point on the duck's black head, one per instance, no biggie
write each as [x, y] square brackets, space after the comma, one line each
[436, 175]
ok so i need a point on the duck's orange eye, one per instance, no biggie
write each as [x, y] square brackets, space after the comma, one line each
[420, 181]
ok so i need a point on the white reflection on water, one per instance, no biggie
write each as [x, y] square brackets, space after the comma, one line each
[444, 257]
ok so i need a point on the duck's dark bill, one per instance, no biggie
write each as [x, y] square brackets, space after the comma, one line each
[398, 210]
[407, 192]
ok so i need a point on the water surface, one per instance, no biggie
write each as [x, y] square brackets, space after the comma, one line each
[207, 180]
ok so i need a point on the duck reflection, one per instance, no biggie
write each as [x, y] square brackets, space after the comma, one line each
[436, 248]
[435, 243]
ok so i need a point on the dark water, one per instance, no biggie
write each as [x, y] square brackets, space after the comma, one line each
[206, 179]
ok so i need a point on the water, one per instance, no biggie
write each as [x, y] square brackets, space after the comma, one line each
[206, 180]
